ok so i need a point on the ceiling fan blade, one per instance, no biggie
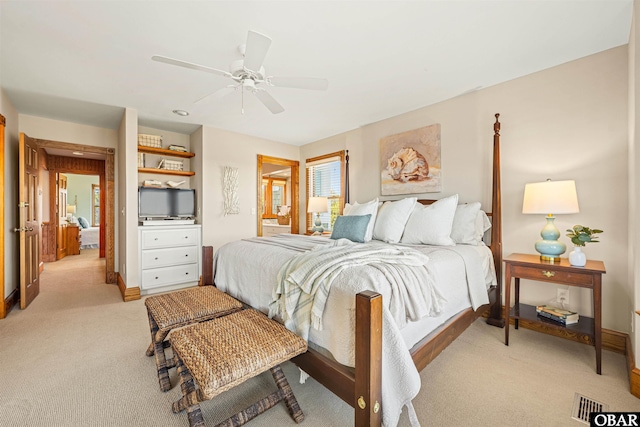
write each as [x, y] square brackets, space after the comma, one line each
[190, 65]
[299, 82]
[269, 101]
[256, 50]
[218, 94]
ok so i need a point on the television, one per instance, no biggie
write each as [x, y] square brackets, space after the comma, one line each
[166, 203]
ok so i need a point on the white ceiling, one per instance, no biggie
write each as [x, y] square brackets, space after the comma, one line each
[84, 61]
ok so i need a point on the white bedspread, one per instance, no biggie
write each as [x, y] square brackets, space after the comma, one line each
[90, 238]
[248, 269]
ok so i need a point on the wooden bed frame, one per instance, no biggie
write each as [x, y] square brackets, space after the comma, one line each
[361, 386]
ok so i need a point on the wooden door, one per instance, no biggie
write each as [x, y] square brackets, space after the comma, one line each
[3, 314]
[61, 216]
[29, 224]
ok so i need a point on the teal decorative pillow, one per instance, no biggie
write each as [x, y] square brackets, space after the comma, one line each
[352, 227]
[83, 222]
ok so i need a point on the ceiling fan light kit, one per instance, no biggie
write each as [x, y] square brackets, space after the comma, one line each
[249, 74]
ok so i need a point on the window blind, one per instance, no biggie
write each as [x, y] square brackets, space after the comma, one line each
[324, 179]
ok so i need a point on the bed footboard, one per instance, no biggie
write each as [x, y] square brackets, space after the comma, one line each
[361, 389]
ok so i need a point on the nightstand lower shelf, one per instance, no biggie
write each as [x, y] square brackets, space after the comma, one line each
[583, 330]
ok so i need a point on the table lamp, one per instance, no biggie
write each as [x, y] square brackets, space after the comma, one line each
[318, 205]
[549, 198]
[71, 210]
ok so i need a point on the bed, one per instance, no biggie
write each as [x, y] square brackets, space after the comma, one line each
[367, 364]
[90, 238]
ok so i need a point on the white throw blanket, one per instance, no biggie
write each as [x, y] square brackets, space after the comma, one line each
[304, 282]
[303, 286]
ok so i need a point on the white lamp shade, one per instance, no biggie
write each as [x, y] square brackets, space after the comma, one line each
[318, 204]
[550, 197]
[71, 209]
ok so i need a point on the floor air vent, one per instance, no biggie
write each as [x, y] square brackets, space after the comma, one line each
[583, 406]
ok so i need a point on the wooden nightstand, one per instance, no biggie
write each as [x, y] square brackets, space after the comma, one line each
[521, 266]
[73, 240]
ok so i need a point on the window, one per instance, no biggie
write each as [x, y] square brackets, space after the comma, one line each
[325, 178]
[275, 195]
[95, 205]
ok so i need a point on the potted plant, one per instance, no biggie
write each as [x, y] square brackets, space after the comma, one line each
[580, 236]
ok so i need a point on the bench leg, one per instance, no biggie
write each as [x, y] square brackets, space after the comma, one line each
[153, 326]
[189, 399]
[289, 398]
[284, 393]
[158, 345]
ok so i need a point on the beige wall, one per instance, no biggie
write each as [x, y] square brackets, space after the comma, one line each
[127, 184]
[74, 133]
[634, 174]
[567, 122]
[80, 187]
[10, 250]
[222, 148]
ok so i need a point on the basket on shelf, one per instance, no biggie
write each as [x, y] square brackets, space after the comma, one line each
[146, 140]
[283, 220]
[171, 165]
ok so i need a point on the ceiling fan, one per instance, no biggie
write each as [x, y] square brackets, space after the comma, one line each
[249, 74]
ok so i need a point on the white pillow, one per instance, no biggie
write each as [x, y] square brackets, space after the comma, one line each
[391, 219]
[464, 224]
[431, 225]
[364, 209]
[483, 224]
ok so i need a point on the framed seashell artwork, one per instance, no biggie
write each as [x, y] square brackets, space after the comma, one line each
[410, 162]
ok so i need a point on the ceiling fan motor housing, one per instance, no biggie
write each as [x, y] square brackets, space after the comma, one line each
[241, 74]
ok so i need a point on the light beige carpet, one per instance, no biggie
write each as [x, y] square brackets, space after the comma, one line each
[75, 357]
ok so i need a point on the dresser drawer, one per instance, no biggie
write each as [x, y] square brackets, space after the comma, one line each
[163, 238]
[156, 277]
[154, 258]
[551, 275]
[272, 230]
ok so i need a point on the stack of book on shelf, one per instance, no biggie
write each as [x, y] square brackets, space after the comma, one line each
[560, 315]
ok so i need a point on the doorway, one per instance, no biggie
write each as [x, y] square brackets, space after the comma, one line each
[278, 192]
[93, 160]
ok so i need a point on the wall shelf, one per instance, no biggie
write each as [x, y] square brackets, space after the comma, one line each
[166, 171]
[164, 152]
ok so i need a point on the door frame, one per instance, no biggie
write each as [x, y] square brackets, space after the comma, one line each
[107, 187]
[3, 311]
[295, 189]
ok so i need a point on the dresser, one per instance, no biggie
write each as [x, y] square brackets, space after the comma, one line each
[73, 239]
[170, 257]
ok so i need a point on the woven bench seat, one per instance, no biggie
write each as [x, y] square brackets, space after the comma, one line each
[222, 353]
[176, 309]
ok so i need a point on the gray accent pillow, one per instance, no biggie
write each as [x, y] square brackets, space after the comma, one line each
[83, 222]
[352, 227]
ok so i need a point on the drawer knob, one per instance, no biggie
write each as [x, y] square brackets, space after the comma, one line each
[187, 273]
[156, 258]
[155, 238]
[187, 255]
[156, 277]
[186, 237]
[548, 273]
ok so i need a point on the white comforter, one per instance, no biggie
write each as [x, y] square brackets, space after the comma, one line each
[248, 269]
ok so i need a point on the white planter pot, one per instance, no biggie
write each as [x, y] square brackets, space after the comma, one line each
[577, 258]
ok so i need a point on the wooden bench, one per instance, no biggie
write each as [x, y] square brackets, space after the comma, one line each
[176, 309]
[217, 355]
